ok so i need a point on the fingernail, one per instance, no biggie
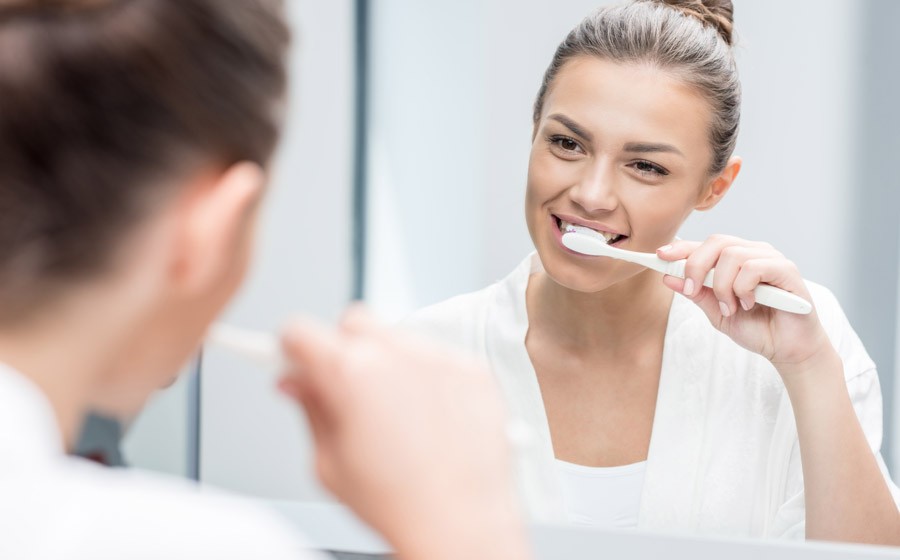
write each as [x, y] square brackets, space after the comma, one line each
[745, 305]
[287, 389]
[688, 287]
[664, 249]
[724, 309]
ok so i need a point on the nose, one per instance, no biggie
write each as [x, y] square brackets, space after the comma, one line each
[595, 192]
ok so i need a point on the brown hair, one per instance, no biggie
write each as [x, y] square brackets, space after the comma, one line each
[102, 102]
[692, 39]
[717, 14]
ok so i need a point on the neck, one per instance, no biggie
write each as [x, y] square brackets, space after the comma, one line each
[617, 318]
[66, 352]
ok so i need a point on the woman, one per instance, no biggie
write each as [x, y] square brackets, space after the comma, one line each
[646, 415]
[134, 138]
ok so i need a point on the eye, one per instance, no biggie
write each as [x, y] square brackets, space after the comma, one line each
[566, 146]
[649, 169]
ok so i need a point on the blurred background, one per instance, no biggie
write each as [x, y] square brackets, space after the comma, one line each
[401, 180]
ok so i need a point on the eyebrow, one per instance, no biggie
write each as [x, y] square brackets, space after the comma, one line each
[649, 148]
[634, 147]
[573, 126]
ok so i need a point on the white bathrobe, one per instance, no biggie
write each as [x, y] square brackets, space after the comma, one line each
[724, 457]
[55, 507]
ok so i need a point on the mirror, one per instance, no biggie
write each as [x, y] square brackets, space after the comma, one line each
[447, 137]
[450, 138]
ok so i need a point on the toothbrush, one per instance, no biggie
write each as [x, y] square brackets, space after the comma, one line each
[264, 349]
[260, 347]
[588, 242]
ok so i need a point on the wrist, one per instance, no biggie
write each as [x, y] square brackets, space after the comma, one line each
[821, 369]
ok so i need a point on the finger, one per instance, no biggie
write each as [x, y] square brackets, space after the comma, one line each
[727, 268]
[357, 319]
[746, 282]
[674, 283]
[415, 345]
[705, 299]
[731, 260]
[322, 426]
[290, 387]
[677, 250]
[704, 259]
[318, 417]
[778, 272]
[315, 350]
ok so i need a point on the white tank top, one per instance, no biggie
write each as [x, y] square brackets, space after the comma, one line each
[602, 497]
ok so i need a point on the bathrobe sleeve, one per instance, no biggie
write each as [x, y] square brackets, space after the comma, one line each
[865, 393]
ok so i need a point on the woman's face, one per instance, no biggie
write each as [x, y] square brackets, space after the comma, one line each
[620, 148]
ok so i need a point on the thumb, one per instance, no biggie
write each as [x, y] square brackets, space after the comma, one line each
[313, 353]
[357, 320]
[318, 417]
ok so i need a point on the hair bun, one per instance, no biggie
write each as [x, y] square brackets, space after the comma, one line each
[719, 14]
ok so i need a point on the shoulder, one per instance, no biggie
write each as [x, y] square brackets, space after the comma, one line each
[111, 513]
[451, 313]
[456, 320]
[827, 305]
[462, 320]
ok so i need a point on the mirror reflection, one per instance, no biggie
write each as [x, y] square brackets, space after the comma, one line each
[644, 414]
[486, 141]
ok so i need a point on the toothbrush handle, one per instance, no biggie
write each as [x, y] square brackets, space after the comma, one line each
[765, 294]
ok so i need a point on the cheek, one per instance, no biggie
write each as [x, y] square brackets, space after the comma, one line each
[657, 213]
[539, 191]
[548, 177]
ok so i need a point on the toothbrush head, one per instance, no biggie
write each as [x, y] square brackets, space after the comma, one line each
[572, 228]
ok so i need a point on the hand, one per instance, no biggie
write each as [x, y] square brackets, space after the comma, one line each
[846, 496]
[410, 435]
[785, 339]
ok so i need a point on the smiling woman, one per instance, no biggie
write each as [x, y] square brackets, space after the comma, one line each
[646, 415]
[623, 149]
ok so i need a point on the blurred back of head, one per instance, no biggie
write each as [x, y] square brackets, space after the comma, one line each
[104, 105]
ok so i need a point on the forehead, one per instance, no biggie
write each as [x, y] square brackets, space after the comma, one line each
[629, 102]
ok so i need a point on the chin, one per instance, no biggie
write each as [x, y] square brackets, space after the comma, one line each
[121, 406]
[584, 274]
[125, 395]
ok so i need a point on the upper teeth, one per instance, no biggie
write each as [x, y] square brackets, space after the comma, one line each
[574, 228]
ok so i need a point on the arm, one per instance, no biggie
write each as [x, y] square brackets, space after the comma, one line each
[411, 436]
[847, 497]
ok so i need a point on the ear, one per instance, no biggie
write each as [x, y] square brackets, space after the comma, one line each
[720, 185]
[216, 220]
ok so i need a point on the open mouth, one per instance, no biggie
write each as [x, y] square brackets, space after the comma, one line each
[610, 237]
